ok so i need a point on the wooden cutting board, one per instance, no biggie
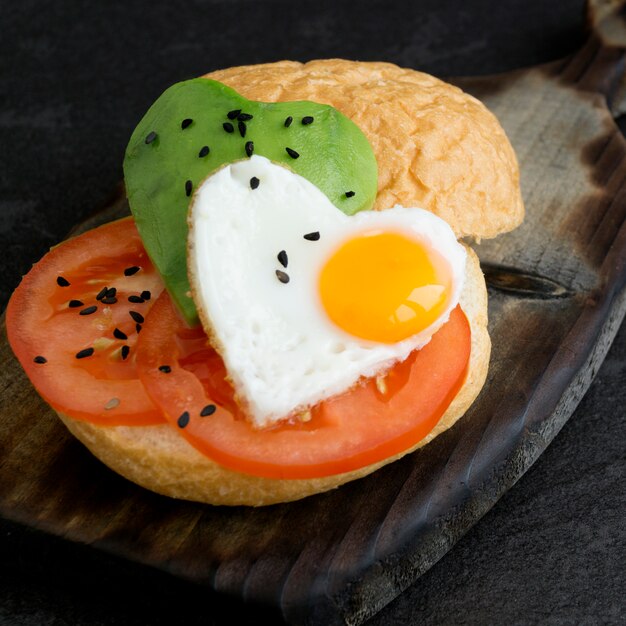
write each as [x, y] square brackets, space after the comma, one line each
[557, 297]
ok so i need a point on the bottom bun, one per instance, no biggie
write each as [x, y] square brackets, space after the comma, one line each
[158, 458]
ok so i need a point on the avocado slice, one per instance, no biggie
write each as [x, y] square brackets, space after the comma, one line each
[200, 125]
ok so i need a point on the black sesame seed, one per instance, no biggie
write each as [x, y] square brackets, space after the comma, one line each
[288, 121]
[89, 310]
[244, 117]
[137, 328]
[40, 359]
[228, 127]
[151, 136]
[125, 351]
[146, 295]
[242, 128]
[62, 282]
[183, 420]
[112, 300]
[188, 187]
[129, 271]
[102, 293]
[349, 194]
[312, 236]
[204, 151]
[166, 369]
[111, 293]
[254, 182]
[306, 120]
[136, 299]
[282, 258]
[138, 317]
[186, 123]
[282, 276]
[231, 115]
[292, 153]
[209, 409]
[75, 303]
[119, 334]
[249, 148]
[84, 353]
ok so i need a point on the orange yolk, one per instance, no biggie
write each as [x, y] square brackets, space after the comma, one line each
[384, 286]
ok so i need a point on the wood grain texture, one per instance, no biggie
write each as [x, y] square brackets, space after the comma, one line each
[557, 297]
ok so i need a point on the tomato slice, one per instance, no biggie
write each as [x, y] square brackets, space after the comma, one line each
[368, 423]
[74, 330]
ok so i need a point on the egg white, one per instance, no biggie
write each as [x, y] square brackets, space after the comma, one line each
[283, 354]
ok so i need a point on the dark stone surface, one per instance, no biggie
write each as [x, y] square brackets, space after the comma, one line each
[74, 79]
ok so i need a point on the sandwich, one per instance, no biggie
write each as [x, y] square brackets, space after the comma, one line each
[294, 302]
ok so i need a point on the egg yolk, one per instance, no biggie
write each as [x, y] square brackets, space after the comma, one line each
[384, 286]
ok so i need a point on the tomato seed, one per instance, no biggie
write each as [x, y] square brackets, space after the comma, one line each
[112, 404]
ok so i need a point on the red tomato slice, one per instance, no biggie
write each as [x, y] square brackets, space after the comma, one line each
[79, 350]
[186, 378]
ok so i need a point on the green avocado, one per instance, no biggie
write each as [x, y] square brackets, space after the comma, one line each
[199, 125]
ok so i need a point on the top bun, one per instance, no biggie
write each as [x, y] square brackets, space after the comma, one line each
[437, 147]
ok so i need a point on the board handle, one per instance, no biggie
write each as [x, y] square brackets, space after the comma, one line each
[607, 18]
[600, 65]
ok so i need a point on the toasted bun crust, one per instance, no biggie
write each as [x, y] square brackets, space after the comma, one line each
[158, 458]
[437, 147]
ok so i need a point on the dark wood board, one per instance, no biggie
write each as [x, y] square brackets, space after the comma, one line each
[556, 300]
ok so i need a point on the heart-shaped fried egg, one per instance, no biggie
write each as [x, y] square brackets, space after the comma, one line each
[302, 300]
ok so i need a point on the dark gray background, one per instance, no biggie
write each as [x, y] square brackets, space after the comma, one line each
[75, 77]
